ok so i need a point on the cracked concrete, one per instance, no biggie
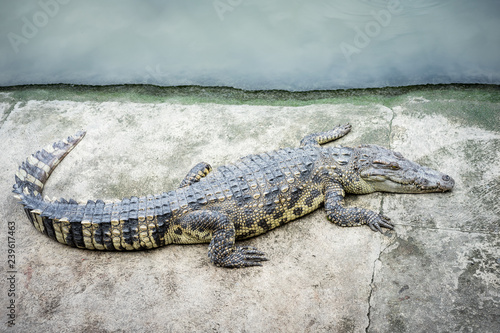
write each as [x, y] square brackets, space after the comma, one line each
[376, 267]
[437, 272]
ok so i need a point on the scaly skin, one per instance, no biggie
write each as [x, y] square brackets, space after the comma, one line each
[234, 202]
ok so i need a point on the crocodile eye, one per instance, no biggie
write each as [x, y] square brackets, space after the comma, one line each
[387, 165]
[394, 166]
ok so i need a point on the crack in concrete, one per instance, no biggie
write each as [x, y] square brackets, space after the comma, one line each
[479, 232]
[368, 314]
[381, 210]
[372, 283]
[390, 127]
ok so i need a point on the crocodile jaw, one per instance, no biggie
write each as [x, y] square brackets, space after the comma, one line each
[418, 185]
[388, 171]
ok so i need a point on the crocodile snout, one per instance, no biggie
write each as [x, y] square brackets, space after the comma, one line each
[448, 183]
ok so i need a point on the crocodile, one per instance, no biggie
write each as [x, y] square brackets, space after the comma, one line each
[234, 202]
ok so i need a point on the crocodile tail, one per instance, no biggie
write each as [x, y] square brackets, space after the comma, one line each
[130, 224]
[33, 174]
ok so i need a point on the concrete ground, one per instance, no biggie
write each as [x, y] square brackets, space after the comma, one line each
[439, 271]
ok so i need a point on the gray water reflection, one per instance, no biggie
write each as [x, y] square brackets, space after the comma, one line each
[283, 44]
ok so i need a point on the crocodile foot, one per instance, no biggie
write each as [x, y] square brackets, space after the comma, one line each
[379, 221]
[242, 256]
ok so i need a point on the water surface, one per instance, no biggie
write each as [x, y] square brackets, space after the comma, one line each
[291, 45]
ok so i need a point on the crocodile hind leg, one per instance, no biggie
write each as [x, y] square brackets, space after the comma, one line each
[199, 171]
[222, 251]
[320, 138]
[349, 217]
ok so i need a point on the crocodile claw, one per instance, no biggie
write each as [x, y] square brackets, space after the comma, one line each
[250, 256]
[380, 221]
[242, 256]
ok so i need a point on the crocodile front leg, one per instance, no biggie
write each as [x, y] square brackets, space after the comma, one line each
[349, 217]
[317, 139]
[222, 250]
[194, 175]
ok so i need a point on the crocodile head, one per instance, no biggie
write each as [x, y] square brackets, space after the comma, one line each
[388, 171]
